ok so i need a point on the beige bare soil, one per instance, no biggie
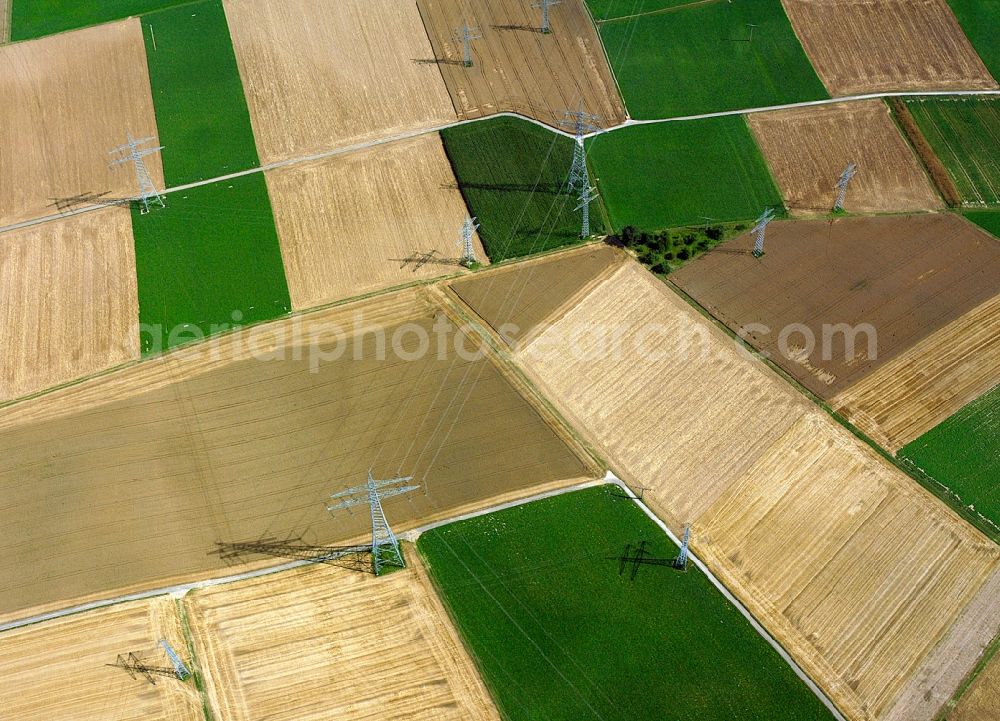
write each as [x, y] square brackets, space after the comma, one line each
[67, 100]
[808, 149]
[858, 571]
[866, 46]
[322, 642]
[245, 437]
[320, 75]
[349, 224]
[981, 701]
[68, 300]
[57, 669]
[518, 69]
[930, 382]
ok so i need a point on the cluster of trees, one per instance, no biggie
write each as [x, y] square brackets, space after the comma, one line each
[660, 249]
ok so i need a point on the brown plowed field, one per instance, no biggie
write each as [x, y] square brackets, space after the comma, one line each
[320, 75]
[246, 437]
[858, 571]
[517, 305]
[867, 46]
[349, 223]
[927, 384]
[905, 277]
[68, 300]
[518, 69]
[322, 643]
[808, 149]
[67, 100]
[56, 669]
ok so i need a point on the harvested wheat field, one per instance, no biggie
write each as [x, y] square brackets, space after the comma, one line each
[517, 305]
[516, 68]
[301, 646]
[892, 280]
[809, 148]
[931, 381]
[246, 436]
[320, 75]
[68, 300]
[57, 669]
[368, 219]
[97, 80]
[981, 701]
[867, 46]
[858, 571]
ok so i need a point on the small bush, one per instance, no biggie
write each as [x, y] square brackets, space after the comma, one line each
[714, 232]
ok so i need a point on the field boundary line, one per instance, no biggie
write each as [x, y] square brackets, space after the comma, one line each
[661, 11]
[607, 58]
[6, 17]
[435, 129]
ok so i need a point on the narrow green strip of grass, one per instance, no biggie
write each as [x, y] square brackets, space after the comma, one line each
[512, 174]
[201, 112]
[701, 59]
[208, 261]
[671, 174]
[35, 18]
[559, 634]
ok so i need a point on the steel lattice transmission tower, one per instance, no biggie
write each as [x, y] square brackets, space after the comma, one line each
[582, 123]
[466, 35]
[759, 231]
[587, 196]
[682, 558]
[545, 5]
[385, 545]
[132, 153]
[841, 186]
[179, 668]
[469, 227]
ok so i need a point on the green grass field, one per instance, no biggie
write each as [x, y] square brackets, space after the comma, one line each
[980, 20]
[201, 111]
[559, 635]
[211, 253]
[965, 134]
[699, 59]
[988, 220]
[963, 453]
[607, 9]
[35, 18]
[512, 174]
[672, 174]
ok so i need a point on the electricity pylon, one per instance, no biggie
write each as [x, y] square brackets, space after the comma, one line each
[581, 123]
[587, 196]
[385, 545]
[132, 153]
[759, 231]
[682, 558]
[179, 668]
[466, 35]
[841, 186]
[545, 5]
[469, 226]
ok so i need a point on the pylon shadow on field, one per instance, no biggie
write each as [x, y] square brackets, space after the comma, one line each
[437, 61]
[547, 188]
[731, 251]
[524, 28]
[354, 558]
[419, 258]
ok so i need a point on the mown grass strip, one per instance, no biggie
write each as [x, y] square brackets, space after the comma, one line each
[201, 111]
[559, 634]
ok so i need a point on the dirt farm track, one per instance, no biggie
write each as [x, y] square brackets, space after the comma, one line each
[195, 450]
[782, 499]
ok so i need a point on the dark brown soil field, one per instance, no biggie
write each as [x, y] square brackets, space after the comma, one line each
[525, 296]
[906, 276]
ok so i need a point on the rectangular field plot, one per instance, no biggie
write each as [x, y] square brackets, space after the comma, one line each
[866, 46]
[699, 59]
[979, 20]
[965, 134]
[982, 699]
[69, 301]
[200, 109]
[987, 220]
[808, 149]
[671, 174]
[560, 634]
[208, 261]
[513, 176]
[320, 75]
[67, 101]
[516, 68]
[321, 643]
[247, 437]
[963, 454]
[34, 18]
[366, 220]
[58, 669]
[856, 570]
[892, 280]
